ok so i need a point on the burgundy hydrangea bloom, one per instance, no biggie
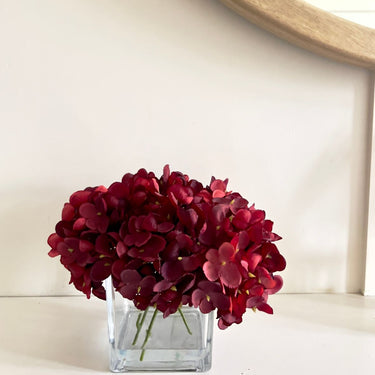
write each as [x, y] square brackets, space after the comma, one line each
[168, 242]
[135, 287]
[221, 264]
[95, 214]
[208, 296]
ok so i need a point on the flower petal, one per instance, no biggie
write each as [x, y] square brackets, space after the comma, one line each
[79, 224]
[147, 285]
[68, 212]
[278, 285]
[172, 270]
[88, 210]
[242, 219]
[100, 270]
[226, 252]
[162, 285]
[220, 301]
[85, 246]
[121, 249]
[197, 296]
[211, 271]
[230, 275]
[130, 277]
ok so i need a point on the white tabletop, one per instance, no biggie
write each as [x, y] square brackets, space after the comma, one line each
[308, 334]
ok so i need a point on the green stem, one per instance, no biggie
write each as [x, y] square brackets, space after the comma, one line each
[138, 320]
[148, 334]
[139, 326]
[184, 320]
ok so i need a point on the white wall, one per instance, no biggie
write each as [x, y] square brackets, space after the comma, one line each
[359, 11]
[92, 89]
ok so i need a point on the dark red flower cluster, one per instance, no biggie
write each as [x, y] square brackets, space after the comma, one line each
[168, 242]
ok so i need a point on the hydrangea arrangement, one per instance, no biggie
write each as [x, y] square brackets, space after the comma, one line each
[168, 242]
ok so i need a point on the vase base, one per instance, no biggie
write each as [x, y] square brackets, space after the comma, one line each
[170, 346]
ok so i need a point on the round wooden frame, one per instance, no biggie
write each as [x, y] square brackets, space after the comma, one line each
[311, 28]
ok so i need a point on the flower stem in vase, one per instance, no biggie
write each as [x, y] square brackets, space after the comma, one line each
[139, 325]
[148, 334]
[184, 320]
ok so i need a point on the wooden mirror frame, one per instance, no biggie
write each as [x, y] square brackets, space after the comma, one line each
[311, 28]
[328, 35]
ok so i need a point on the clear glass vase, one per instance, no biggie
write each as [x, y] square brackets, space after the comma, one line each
[180, 342]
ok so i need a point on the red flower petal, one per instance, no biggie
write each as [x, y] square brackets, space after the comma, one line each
[242, 219]
[166, 173]
[76, 270]
[192, 262]
[121, 249]
[138, 198]
[85, 245]
[197, 296]
[211, 271]
[257, 290]
[220, 301]
[149, 224]
[54, 239]
[230, 275]
[218, 194]
[99, 292]
[130, 277]
[256, 216]
[100, 270]
[117, 267]
[278, 285]
[129, 291]
[102, 224]
[206, 306]
[212, 256]
[162, 285]
[183, 194]
[150, 251]
[172, 270]
[208, 287]
[237, 203]
[184, 241]
[137, 239]
[188, 217]
[266, 278]
[119, 190]
[88, 210]
[217, 184]
[79, 224]
[255, 233]
[147, 285]
[253, 261]
[265, 308]
[219, 212]
[102, 244]
[243, 240]
[226, 252]
[222, 324]
[79, 197]
[53, 253]
[268, 225]
[186, 282]
[156, 244]
[68, 212]
[165, 227]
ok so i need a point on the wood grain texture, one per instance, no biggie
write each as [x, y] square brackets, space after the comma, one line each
[311, 28]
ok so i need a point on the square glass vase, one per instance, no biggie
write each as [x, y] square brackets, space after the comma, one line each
[145, 341]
